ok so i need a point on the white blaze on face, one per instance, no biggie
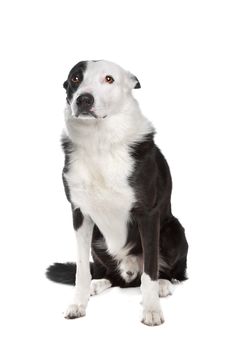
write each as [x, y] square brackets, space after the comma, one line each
[110, 98]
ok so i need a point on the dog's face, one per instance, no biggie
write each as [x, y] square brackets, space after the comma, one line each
[98, 89]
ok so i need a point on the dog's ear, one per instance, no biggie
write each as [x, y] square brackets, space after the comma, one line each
[137, 83]
[65, 85]
[134, 82]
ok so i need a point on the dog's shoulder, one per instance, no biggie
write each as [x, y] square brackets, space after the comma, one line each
[144, 147]
[151, 177]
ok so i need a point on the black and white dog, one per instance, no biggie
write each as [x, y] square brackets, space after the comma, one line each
[119, 186]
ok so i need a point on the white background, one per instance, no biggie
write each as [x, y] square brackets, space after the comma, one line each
[181, 51]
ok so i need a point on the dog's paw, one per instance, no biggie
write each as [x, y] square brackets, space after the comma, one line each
[75, 311]
[98, 286]
[153, 318]
[165, 288]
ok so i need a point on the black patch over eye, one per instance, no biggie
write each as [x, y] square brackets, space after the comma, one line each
[76, 78]
[109, 79]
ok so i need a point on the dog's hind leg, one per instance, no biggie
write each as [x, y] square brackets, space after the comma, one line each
[165, 288]
[173, 250]
[98, 286]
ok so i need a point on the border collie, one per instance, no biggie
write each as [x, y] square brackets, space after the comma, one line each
[119, 186]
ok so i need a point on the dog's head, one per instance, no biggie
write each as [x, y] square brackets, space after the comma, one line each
[98, 89]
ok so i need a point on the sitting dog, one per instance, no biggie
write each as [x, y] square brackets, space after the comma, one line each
[119, 186]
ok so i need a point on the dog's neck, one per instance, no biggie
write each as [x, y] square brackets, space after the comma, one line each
[125, 128]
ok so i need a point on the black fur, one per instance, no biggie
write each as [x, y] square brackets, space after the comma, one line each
[152, 228]
[153, 232]
[62, 273]
[152, 182]
[77, 218]
[69, 85]
[138, 85]
[67, 147]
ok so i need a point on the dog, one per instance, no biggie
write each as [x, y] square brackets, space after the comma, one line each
[119, 187]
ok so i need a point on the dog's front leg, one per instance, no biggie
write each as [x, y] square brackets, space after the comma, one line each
[149, 227]
[83, 226]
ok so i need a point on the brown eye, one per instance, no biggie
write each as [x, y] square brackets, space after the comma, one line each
[75, 79]
[109, 79]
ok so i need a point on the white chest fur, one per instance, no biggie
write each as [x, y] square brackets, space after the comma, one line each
[98, 182]
[99, 168]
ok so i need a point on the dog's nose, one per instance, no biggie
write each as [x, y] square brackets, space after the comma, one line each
[85, 102]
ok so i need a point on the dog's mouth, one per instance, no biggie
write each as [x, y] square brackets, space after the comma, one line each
[88, 115]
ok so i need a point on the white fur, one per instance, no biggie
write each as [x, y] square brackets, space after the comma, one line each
[100, 166]
[75, 311]
[165, 288]
[131, 264]
[98, 286]
[83, 276]
[110, 99]
[152, 313]
[100, 163]
[99, 188]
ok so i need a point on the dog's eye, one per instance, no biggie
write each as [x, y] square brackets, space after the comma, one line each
[75, 79]
[109, 79]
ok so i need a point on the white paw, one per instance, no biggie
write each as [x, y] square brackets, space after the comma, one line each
[75, 311]
[165, 288]
[153, 317]
[98, 286]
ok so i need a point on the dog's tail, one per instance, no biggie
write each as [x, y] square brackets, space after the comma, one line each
[65, 272]
[62, 273]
